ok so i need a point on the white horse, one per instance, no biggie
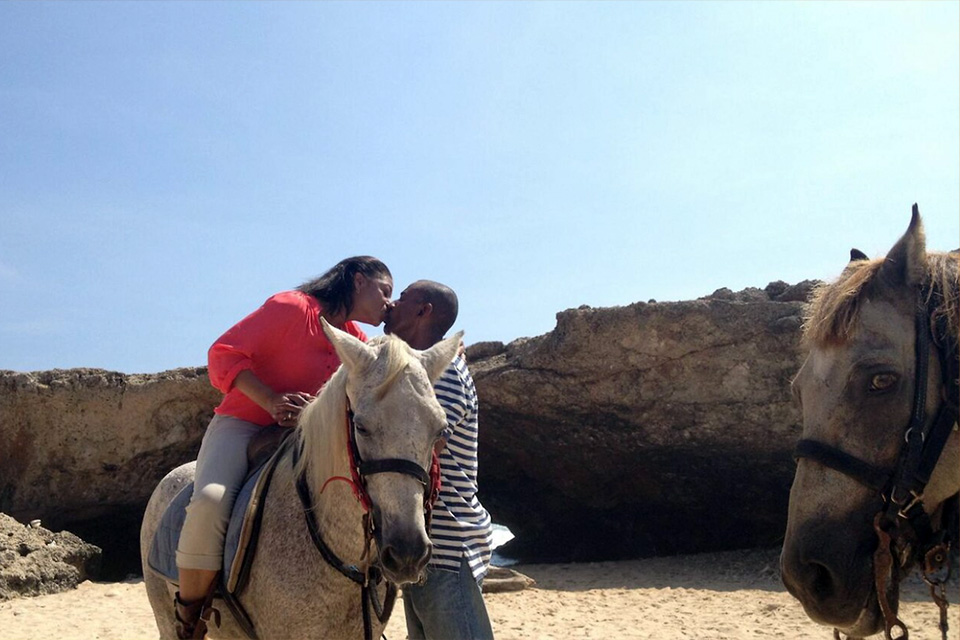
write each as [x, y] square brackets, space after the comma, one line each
[380, 404]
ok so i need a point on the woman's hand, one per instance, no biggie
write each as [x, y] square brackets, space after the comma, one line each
[286, 407]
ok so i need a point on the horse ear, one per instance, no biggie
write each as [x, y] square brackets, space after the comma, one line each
[354, 354]
[856, 255]
[438, 357]
[906, 261]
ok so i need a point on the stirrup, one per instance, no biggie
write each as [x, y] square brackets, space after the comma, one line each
[192, 617]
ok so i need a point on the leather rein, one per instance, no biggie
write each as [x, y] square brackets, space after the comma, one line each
[359, 471]
[902, 487]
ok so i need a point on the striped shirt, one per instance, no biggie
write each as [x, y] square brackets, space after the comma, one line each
[460, 526]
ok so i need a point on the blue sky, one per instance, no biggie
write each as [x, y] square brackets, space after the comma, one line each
[166, 166]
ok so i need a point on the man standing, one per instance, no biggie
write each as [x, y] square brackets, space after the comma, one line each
[449, 604]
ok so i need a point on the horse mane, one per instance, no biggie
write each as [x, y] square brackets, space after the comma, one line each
[321, 432]
[830, 318]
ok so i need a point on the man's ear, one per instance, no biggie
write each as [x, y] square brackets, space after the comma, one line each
[426, 310]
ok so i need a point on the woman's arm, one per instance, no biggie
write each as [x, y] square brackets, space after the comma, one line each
[250, 339]
[283, 407]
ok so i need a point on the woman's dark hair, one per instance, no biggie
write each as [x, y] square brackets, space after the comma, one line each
[334, 289]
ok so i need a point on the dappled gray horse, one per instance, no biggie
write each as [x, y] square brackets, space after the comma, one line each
[379, 411]
[877, 474]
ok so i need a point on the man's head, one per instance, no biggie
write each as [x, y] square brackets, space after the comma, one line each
[422, 314]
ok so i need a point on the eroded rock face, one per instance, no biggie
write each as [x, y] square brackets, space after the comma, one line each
[35, 561]
[642, 430]
[649, 429]
[83, 443]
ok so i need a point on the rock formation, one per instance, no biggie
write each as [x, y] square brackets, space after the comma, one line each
[83, 448]
[35, 561]
[642, 430]
[647, 429]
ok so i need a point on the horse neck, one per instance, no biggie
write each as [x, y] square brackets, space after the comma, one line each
[340, 519]
[325, 464]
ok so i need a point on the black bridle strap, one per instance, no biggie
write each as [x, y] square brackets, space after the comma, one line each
[949, 410]
[921, 350]
[923, 449]
[395, 465]
[936, 440]
[303, 491]
[911, 455]
[839, 460]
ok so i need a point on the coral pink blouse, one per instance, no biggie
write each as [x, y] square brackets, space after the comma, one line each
[283, 343]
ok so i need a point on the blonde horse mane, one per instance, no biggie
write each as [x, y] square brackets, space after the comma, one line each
[830, 318]
[322, 433]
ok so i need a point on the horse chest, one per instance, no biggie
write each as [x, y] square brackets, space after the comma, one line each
[293, 592]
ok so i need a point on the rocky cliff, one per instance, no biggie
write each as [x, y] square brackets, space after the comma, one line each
[647, 429]
[82, 449]
[644, 430]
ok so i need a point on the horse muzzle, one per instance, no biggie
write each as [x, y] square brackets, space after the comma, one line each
[403, 546]
[832, 577]
[405, 560]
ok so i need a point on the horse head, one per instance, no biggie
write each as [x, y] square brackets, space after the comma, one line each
[376, 421]
[870, 386]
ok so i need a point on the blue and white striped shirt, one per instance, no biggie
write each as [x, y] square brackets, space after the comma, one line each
[460, 526]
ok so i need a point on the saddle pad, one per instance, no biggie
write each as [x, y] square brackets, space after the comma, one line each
[163, 552]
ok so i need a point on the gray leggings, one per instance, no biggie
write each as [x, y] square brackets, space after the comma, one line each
[221, 467]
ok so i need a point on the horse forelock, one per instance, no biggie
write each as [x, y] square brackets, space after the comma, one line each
[322, 431]
[395, 356]
[832, 316]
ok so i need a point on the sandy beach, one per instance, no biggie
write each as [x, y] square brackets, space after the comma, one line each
[719, 596]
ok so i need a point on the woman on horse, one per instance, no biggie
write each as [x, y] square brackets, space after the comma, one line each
[269, 366]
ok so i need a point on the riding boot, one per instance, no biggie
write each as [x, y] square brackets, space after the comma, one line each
[191, 623]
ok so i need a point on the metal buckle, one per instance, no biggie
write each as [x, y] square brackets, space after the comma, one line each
[906, 436]
[917, 499]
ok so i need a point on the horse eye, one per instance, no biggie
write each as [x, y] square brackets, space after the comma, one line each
[883, 381]
[360, 427]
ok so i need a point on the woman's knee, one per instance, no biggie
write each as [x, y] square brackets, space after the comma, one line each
[212, 493]
[209, 501]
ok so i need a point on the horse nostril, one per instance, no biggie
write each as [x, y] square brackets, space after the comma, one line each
[820, 580]
[807, 578]
[389, 559]
[424, 558]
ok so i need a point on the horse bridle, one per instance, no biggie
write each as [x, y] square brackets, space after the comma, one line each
[902, 487]
[362, 469]
[359, 471]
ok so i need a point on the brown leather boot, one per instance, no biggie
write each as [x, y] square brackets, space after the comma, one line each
[191, 621]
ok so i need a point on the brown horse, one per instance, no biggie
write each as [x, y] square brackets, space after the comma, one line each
[879, 460]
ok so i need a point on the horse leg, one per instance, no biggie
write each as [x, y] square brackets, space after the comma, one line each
[160, 594]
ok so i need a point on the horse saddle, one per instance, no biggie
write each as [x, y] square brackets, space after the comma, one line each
[263, 454]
